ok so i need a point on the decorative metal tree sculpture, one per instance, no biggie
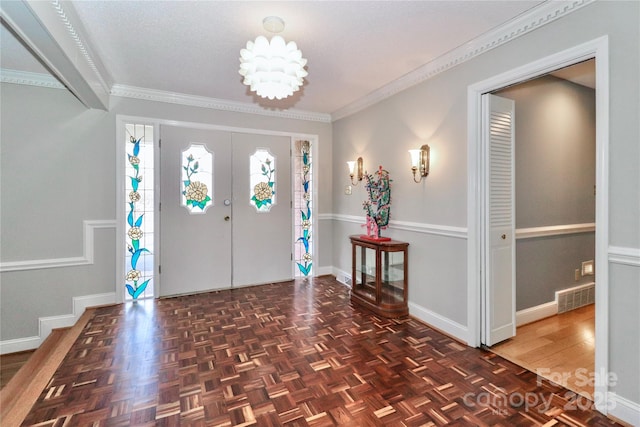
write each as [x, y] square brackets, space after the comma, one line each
[378, 207]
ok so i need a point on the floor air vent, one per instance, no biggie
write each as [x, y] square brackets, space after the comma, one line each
[578, 296]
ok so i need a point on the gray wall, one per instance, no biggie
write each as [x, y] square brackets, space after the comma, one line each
[58, 168]
[555, 176]
[435, 112]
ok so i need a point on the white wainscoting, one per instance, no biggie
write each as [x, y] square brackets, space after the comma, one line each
[88, 231]
[624, 256]
[624, 409]
[555, 230]
[417, 227]
[47, 324]
[532, 314]
[444, 324]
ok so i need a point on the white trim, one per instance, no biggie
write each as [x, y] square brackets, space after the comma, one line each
[80, 304]
[416, 227]
[121, 120]
[323, 271]
[29, 79]
[531, 20]
[324, 217]
[125, 91]
[544, 14]
[555, 230]
[342, 276]
[20, 344]
[88, 231]
[624, 409]
[77, 35]
[532, 314]
[599, 49]
[624, 256]
[448, 326]
[47, 324]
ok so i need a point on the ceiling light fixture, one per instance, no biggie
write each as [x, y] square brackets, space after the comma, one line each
[272, 69]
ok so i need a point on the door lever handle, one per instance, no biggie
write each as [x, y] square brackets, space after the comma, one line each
[227, 218]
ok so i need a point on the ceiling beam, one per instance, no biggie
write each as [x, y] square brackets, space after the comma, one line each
[55, 37]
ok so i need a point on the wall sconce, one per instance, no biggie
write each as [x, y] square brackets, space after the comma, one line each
[420, 162]
[356, 169]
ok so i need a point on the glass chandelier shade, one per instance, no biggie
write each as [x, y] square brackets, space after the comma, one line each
[272, 69]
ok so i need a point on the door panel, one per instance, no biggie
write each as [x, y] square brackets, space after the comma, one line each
[195, 243]
[499, 317]
[262, 240]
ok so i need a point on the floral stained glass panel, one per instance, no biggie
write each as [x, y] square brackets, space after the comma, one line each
[139, 209]
[262, 180]
[197, 178]
[303, 209]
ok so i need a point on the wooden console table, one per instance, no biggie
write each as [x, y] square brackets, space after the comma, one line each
[379, 273]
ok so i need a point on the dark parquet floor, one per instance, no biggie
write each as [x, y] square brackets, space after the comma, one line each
[288, 354]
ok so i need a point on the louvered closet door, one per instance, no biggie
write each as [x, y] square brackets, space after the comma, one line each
[500, 321]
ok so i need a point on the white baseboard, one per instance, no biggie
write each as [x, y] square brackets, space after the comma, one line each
[624, 409]
[19, 344]
[442, 323]
[342, 276]
[47, 324]
[323, 271]
[446, 325]
[532, 314]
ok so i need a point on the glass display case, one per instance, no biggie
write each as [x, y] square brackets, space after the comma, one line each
[379, 275]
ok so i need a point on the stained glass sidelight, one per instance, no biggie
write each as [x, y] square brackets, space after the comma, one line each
[197, 178]
[139, 211]
[262, 180]
[303, 208]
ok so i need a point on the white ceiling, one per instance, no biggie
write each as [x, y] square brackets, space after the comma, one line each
[192, 47]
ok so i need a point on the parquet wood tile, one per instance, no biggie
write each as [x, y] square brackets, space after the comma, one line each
[287, 354]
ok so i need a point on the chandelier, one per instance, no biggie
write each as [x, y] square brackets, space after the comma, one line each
[272, 69]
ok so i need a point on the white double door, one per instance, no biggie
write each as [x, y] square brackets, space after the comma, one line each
[228, 243]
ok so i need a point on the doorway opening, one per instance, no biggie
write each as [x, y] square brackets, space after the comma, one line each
[194, 181]
[554, 173]
[478, 257]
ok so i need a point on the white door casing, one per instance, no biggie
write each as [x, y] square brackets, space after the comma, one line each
[499, 289]
[599, 49]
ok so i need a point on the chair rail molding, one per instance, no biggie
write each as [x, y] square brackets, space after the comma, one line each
[89, 227]
[624, 256]
[555, 230]
[416, 227]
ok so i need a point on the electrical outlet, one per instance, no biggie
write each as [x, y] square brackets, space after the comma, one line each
[347, 190]
[577, 275]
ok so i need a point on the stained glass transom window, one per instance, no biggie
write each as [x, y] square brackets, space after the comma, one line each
[303, 208]
[139, 211]
[197, 178]
[262, 180]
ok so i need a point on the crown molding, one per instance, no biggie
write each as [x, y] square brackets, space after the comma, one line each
[516, 27]
[521, 25]
[57, 39]
[30, 79]
[214, 103]
[68, 18]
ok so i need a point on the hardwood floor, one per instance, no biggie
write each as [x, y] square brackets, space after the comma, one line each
[11, 363]
[288, 354]
[560, 348]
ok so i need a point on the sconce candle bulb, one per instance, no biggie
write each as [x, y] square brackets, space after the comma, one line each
[356, 170]
[420, 162]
